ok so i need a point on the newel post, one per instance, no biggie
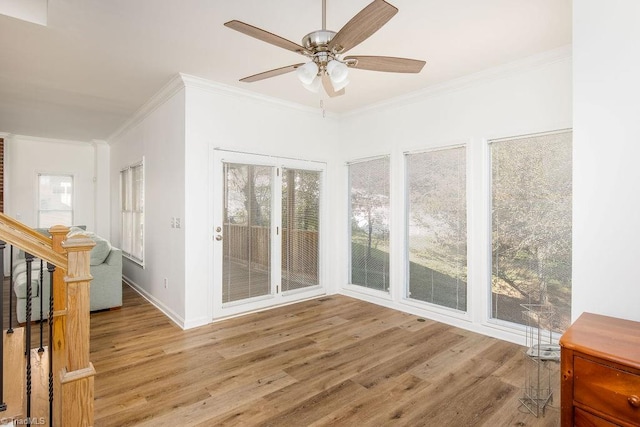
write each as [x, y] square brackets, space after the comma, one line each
[76, 375]
[58, 234]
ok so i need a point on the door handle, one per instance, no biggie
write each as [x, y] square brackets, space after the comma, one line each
[218, 237]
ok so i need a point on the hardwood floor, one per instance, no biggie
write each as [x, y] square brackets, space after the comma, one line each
[329, 361]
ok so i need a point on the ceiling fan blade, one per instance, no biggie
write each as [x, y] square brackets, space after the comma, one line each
[265, 36]
[362, 26]
[270, 73]
[328, 87]
[387, 63]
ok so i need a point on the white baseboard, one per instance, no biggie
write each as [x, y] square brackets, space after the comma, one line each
[177, 319]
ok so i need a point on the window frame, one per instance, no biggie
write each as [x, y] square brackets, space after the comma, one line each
[126, 190]
[406, 297]
[38, 199]
[388, 293]
[489, 320]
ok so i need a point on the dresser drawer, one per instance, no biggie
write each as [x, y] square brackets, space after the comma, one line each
[585, 419]
[606, 389]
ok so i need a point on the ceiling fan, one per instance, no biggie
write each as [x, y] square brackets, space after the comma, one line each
[325, 49]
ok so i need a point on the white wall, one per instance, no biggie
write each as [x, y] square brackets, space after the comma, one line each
[102, 181]
[516, 99]
[606, 229]
[176, 132]
[27, 156]
[157, 135]
[219, 117]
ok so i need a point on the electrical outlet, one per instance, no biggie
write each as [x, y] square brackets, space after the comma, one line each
[177, 222]
[166, 283]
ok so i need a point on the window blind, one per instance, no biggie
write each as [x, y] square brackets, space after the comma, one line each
[246, 267]
[132, 211]
[300, 228]
[437, 227]
[369, 216]
[531, 200]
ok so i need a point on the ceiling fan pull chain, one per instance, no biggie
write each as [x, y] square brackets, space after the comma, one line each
[322, 108]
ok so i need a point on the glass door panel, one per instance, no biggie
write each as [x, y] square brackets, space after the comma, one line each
[246, 268]
[300, 228]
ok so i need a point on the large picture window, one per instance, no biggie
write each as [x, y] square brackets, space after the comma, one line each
[55, 200]
[437, 227]
[132, 205]
[369, 213]
[531, 225]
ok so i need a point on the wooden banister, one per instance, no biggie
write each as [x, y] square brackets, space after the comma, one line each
[73, 377]
[29, 240]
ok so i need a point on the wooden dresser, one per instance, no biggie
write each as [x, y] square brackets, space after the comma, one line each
[600, 368]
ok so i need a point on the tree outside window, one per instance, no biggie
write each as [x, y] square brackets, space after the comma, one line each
[531, 225]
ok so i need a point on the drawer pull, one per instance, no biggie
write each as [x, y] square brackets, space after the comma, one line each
[634, 401]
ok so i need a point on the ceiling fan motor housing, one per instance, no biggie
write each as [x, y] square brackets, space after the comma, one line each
[318, 41]
[317, 45]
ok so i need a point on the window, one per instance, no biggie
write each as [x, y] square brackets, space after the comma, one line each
[55, 200]
[531, 225]
[132, 205]
[437, 227]
[369, 213]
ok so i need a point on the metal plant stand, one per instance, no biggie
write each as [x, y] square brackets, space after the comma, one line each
[540, 355]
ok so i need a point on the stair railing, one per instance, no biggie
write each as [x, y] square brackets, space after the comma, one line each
[71, 388]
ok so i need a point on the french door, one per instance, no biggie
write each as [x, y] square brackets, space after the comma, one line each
[267, 222]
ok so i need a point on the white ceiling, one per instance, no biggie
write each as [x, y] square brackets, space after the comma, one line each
[97, 61]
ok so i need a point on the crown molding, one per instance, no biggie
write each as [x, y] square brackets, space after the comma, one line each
[17, 137]
[182, 81]
[500, 72]
[222, 89]
[171, 88]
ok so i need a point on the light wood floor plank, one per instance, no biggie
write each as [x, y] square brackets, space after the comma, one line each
[331, 361]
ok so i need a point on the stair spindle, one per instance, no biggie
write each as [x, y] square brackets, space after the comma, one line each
[29, 260]
[3, 404]
[10, 330]
[41, 294]
[50, 268]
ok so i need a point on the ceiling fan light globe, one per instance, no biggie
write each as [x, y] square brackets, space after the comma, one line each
[314, 86]
[307, 73]
[337, 71]
[338, 86]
